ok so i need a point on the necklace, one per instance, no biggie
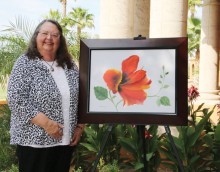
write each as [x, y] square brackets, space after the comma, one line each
[51, 66]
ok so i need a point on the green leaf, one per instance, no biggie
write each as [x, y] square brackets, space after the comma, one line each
[101, 93]
[138, 165]
[189, 131]
[168, 155]
[165, 86]
[199, 108]
[205, 110]
[179, 145]
[172, 167]
[128, 145]
[194, 159]
[89, 147]
[149, 155]
[208, 140]
[165, 101]
[198, 129]
[158, 102]
[217, 132]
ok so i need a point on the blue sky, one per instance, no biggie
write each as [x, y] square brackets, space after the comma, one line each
[34, 10]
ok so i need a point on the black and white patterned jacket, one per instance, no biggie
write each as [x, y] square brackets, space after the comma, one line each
[32, 89]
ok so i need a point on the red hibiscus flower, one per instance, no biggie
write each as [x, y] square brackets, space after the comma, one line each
[130, 83]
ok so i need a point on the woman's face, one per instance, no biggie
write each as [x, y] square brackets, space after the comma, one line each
[48, 39]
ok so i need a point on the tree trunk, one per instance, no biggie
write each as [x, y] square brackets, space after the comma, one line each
[64, 7]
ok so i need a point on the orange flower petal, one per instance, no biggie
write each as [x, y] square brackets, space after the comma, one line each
[141, 85]
[133, 97]
[112, 77]
[135, 77]
[130, 64]
[129, 83]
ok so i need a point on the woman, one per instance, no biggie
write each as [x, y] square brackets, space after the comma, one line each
[43, 98]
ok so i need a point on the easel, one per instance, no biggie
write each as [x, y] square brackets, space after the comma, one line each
[104, 141]
[141, 133]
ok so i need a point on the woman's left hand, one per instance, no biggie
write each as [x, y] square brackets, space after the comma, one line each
[77, 135]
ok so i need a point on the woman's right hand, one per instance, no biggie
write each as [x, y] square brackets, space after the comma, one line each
[53, 128]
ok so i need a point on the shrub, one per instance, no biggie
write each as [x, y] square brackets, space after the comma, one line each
[7, 152]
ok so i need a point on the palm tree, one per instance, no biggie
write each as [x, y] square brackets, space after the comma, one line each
[63, 21]
[21, 27]
[16, 36]
[55, 15]
[13, 43]
[64, 2]
[81, 19]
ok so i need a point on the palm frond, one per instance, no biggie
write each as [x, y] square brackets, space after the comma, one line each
[21, 27]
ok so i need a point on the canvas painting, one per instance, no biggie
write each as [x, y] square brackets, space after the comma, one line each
[135, 81]
[132, 81]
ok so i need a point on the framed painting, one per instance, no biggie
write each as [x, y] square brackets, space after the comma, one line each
[133, 81]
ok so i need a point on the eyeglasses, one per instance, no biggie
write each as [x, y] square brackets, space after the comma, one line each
[46, 34]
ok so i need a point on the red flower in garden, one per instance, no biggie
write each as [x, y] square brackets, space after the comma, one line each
[193, 93]
[130, 83]
[147, 135]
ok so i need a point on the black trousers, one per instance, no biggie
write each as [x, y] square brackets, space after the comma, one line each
[52, 159]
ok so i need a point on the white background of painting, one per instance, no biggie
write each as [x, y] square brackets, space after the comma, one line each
[149, 60]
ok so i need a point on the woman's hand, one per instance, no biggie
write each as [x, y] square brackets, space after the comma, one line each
[77, 135]
[53, 128]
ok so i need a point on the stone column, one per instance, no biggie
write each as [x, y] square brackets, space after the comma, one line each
[209, 52]
[124, 18]
[141, 18]
[168, 18]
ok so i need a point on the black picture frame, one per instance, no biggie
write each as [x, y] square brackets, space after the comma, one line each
[88, 50]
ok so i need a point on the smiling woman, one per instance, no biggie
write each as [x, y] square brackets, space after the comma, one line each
[43, 99]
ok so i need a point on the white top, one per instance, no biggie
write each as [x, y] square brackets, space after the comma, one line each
[62, 84]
